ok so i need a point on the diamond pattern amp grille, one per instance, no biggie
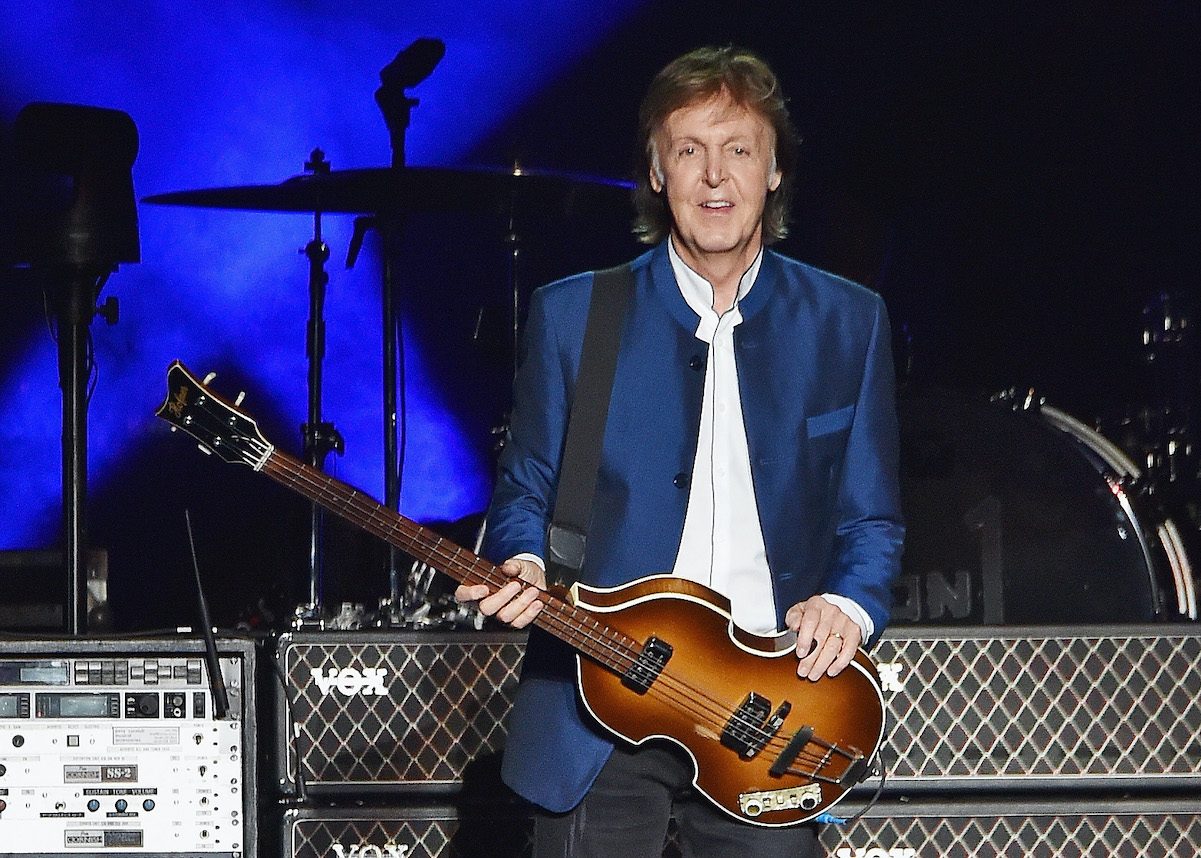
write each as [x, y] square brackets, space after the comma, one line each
[431, 832]
[1126, 828]
[1023, 708]
[380, 711]
[998, 709]
[1155, 828]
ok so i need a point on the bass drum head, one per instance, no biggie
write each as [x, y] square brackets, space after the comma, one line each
[1017, 517]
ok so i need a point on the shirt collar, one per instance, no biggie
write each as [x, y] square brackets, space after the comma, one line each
[698, 292]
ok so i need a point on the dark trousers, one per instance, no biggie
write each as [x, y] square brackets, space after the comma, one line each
[626, 812]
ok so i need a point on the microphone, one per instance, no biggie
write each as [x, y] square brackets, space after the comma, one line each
[414, 64]
[410, 67]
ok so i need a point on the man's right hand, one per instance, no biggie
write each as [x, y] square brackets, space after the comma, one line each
[516, 603]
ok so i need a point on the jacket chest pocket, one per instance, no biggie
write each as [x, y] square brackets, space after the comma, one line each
[829, 423]
[827, 438]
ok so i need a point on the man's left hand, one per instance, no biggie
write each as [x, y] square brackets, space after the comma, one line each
[827, 637]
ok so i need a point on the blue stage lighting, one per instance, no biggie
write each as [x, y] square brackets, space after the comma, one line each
[232, 92]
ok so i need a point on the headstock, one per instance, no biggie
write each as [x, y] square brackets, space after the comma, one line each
[220, 426]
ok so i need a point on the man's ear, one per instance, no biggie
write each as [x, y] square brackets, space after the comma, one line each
[655, 170]
[655, 176]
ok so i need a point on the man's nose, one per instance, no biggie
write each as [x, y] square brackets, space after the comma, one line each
[715, 170]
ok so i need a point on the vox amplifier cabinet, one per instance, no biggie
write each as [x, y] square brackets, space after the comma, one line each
[113, 747]
[1041, 708]
[401, 711]
[985, 709]
[1155, 828]
[497, 830]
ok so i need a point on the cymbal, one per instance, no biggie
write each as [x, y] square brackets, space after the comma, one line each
[400, 190]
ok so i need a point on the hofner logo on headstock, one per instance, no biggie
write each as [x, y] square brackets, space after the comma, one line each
[368, 682]
[178, 403]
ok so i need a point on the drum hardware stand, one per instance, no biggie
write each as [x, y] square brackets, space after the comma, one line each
[395, 608]
[1168, 418]
[513, 239]
[320, 437]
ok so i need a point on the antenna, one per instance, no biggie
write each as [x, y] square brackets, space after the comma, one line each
[216, 681]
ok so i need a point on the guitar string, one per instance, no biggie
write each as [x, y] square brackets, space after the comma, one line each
[367, 509]
[621, 646]
[620, 650]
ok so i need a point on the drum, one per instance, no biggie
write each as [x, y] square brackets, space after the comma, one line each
[1017, 514]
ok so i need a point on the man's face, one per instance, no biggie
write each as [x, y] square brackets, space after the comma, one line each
[716, 162]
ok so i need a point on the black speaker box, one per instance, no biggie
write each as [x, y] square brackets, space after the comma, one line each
[1000, 709]
[33, 590]
[1156, 828]
[394, 712]
[495, 830]
[1094, 828]
[1042, 708]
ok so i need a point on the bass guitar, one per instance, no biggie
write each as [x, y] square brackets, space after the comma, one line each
[659, 658]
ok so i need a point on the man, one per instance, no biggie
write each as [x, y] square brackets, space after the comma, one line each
[751, 445]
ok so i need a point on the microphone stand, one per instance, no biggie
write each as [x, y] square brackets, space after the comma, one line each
[76, 308]
[411, 66]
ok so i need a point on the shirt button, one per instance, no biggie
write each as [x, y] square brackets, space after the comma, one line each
[696, 362]
[681, 480]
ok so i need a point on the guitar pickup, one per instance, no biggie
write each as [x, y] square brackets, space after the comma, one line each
[648, 665]
[749, 728]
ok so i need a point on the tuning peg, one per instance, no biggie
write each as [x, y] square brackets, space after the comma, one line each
[238, 400]
[205, 450]
[209, 378]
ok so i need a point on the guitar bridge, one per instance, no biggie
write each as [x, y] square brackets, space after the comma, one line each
[856, 766]
[648, 665]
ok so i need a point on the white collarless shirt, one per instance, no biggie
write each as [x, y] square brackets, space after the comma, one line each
[722, 544]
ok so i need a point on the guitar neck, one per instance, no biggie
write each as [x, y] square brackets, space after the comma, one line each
[562, 619]
[776, 731]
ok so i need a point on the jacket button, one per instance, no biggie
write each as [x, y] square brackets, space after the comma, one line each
[681, 480]
[696, 362]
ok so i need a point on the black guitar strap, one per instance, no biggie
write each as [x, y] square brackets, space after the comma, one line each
[567, 537]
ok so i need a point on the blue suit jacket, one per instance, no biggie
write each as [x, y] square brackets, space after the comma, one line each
[815, 375]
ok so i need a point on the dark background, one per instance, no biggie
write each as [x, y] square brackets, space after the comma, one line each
[1018, 186]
